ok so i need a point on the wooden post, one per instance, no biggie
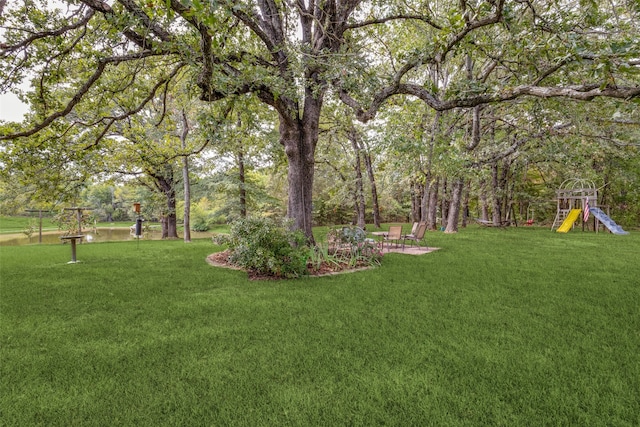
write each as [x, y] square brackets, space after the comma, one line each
[72, 240]
[39, 221]
[40, 226]
[73, 250]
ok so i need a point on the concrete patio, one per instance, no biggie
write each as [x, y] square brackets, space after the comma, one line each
[408, 250]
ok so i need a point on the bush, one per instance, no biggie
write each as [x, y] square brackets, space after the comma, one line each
[200, 223]
[200, 218]
[268, 247]
[349, 244]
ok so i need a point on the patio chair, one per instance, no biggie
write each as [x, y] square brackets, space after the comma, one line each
[417, 237]
[395, 233]
[414, 228]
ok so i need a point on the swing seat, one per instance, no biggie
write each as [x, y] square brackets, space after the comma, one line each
[487, 223]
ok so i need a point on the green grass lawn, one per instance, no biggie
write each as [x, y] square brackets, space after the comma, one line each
[17, 224]
[515, 327]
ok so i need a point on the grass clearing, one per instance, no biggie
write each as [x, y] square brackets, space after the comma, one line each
[499, 327]
[18, 224]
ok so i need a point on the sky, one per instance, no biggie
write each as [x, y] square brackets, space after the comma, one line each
[11, 108]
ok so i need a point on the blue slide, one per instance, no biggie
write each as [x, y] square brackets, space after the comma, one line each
[608, 222]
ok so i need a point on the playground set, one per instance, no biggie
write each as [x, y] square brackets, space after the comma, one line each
[579, 196]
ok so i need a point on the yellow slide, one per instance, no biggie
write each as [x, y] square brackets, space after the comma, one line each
[568, 222]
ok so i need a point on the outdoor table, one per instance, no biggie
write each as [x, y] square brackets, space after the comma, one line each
[73, 239]
[380, 236]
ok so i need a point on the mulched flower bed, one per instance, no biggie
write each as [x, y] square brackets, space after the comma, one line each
[221, 259]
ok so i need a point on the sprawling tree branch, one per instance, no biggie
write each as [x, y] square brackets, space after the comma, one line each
[398, 17]
[586, 92]
[517, 143]
[5, 49]
[471, 26]
[141, 40]
[101, 66]
[156, 29]
[110, 120]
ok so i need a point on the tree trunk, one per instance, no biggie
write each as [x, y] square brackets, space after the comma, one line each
[523, 204]
[429, 203]
[510, 186]
[444, 210]
[243, 188]
[416, 197]
[419, 193]
[165, 182]
[185, 179]
[497, 214]
[372, 180]
[299, 138]
[465, 204]
[164, 225]
[484, 204]
[187, 199]
[359, 190]
[454, 206]
[603, 193]
[504, 186]
[424, 201]
[433, 205]
[172, 219]
[112, 204]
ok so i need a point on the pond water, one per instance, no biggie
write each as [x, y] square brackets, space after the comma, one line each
[102, 235]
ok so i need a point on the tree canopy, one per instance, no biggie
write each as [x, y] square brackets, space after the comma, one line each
[297, 55]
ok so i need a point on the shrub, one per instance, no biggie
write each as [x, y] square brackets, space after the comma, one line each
[200, 223]
[268, 247]
[350, 245]
[367, 252]
[200, 218]
[67, 221]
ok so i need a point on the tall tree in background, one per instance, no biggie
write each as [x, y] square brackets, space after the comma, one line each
[156, 150]
[240, 144]
[186, 179]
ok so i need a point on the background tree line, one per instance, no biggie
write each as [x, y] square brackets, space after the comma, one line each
[353, 110]
[412, 164]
